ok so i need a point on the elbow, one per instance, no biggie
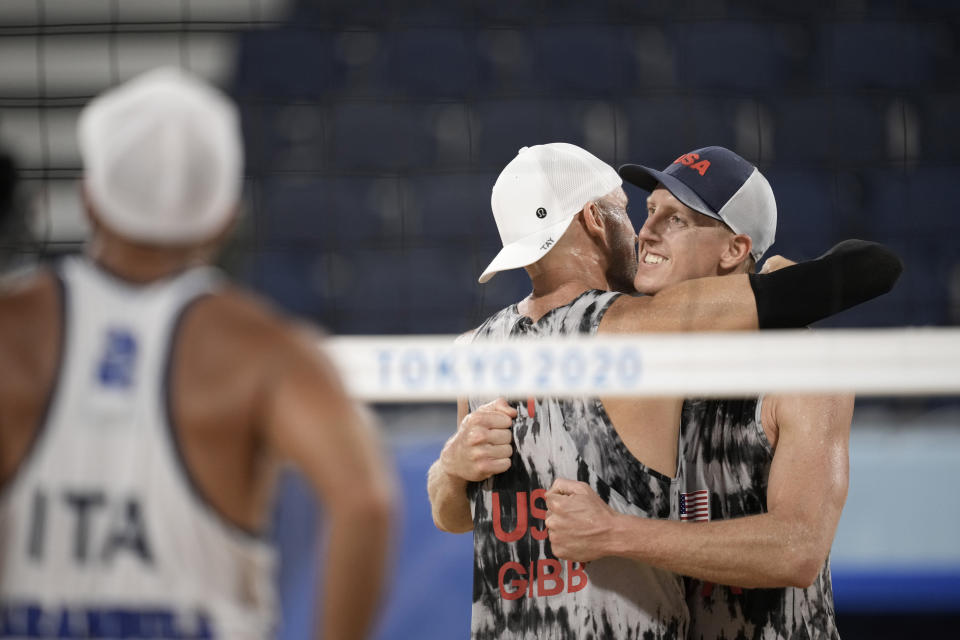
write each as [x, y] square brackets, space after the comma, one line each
[450, 526]
[803, 565]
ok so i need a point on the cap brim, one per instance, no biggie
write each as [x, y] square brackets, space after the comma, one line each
[526, 250]
[647, 179]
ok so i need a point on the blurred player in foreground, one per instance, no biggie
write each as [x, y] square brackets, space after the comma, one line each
[785, 457]
[562, 214]
[146, 403]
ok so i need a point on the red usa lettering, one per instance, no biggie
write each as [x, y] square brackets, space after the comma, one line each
[690, 160]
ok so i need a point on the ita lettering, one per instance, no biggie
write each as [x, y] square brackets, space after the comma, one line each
[101, 527]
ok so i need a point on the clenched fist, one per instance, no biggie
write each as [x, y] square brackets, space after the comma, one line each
[481, 446]
[580, 524]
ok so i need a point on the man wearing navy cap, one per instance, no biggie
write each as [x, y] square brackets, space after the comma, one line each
[561, 215]
[773, 469]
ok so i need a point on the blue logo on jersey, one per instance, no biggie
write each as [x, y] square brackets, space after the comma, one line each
[119, 359]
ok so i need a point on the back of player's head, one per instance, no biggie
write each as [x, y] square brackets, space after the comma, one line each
[163, 158]
[537, 196]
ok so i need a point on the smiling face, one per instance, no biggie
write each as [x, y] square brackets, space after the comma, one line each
[677, 243]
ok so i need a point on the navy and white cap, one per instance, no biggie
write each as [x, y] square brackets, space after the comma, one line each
[720, 184]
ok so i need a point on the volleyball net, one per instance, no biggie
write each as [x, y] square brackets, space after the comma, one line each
[880, 362]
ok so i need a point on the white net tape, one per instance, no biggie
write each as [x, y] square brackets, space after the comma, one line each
[867, 362]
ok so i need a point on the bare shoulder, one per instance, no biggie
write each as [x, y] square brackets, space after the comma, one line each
[238, 327]
[253, 324]
[27, 298]
[26, 286]
[825, 412]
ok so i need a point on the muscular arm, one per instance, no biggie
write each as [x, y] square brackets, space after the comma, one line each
[313, 423]
[479, 449]
[784, 547]
[448, 492]
[850, 273]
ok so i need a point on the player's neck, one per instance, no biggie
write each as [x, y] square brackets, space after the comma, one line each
[140, 263]
[557, 285]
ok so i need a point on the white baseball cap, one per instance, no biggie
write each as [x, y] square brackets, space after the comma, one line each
[536, 197]
[163, 157]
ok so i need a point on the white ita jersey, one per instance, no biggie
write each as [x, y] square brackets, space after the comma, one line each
[102, 532]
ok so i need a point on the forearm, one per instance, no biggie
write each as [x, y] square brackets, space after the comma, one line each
[448, 500]
[852, 272]
[755, 551]
[355, 574]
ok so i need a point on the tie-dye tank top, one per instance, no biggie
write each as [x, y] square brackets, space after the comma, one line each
[520, 589]
[724, 466]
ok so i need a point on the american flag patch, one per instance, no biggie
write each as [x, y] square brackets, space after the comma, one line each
[695, 506]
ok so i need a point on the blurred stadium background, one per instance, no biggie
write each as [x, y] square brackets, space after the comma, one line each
[375, 131]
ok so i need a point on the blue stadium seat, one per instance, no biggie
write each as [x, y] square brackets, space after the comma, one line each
[507, 12]
[938, 116]
[830, 130]
[736, 55]
[283, 137]
[808, 222]
[288, 63]
[328, 212]
[631, 10]
[886, 205]
[289, 278]
[502, 127]
[878, 54]
[504, 289]
[432, 13]
[452, 207]
[660, 129]
[367, 135]
[505, 61]
[404, 289]
[449, 126]
[920, 297]
[577, 61]
[914, 203]
[649, 57]
[933, 194]
[431, 62]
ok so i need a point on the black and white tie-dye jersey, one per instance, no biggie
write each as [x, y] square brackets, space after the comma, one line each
[520, 589]
[725, 451]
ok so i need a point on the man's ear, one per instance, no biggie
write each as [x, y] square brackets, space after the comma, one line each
[736, 252]
[594, 221]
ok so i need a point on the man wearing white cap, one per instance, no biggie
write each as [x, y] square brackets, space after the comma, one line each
[782, 459]
[561, 214]
[145, 404]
